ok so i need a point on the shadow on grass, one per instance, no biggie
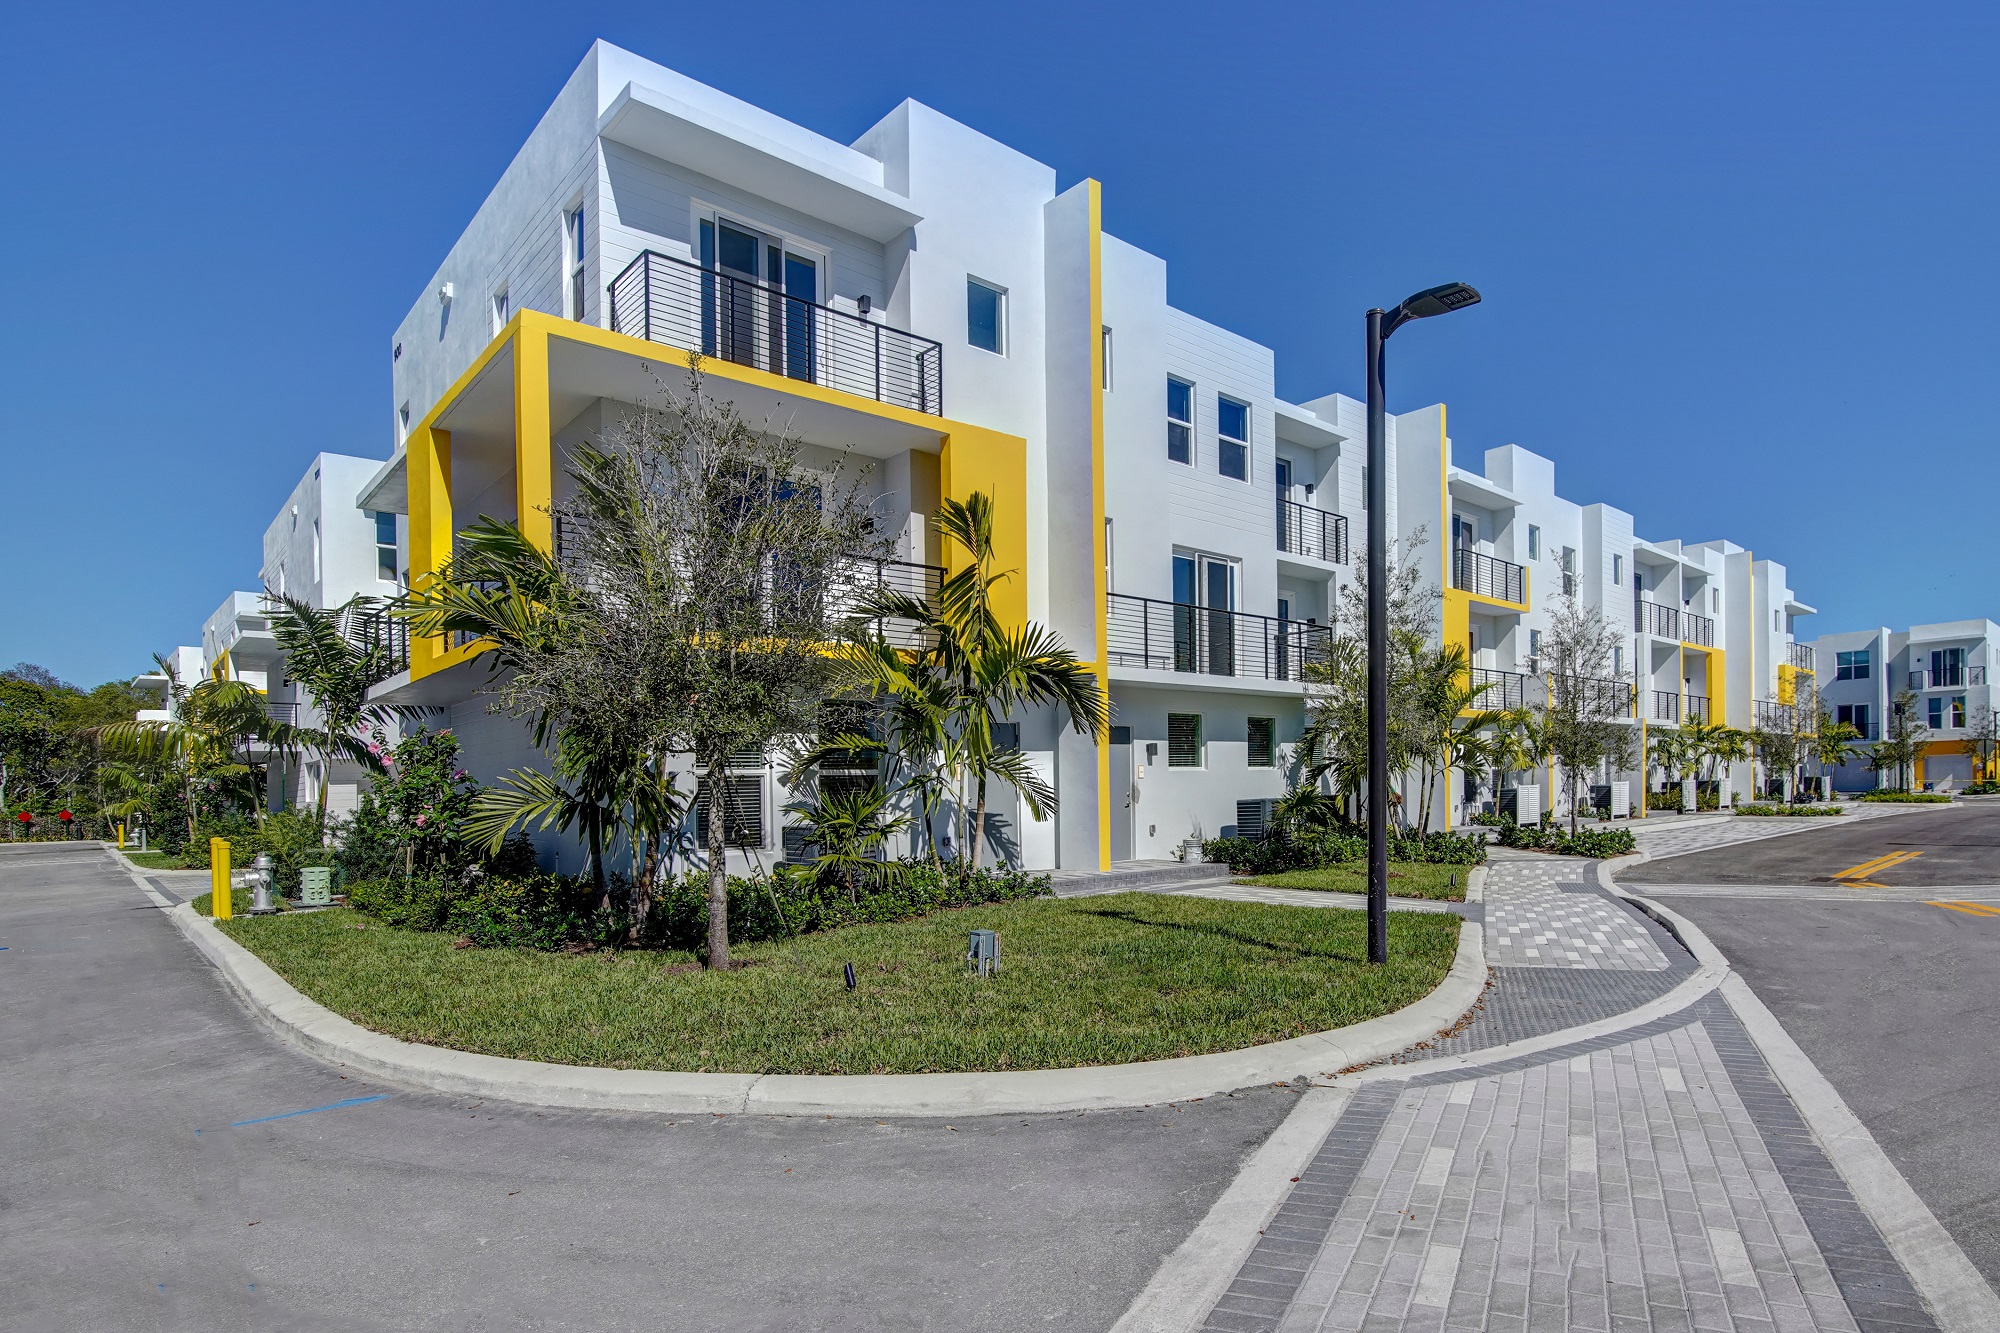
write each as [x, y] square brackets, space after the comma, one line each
[1222, 932]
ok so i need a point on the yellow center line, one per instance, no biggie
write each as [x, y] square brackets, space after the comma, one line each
[1970, 909]
[1880, 863]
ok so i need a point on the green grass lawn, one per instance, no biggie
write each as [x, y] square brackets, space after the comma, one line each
[1407, 879]
[154, 860]
[1091, 981]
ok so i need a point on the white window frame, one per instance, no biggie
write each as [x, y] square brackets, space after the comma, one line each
[502, 308]
[1193, 453]
[700, 211]
[1104, 355]
[1534, 542]
[1000, 316]
[1221, 439]
[573, 230]
[1200, 742]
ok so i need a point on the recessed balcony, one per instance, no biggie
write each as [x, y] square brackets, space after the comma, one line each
[1314, 533]
[677, 302]
[1153, 635]
[1488, 576]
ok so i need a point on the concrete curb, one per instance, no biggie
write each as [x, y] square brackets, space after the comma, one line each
[324, 1034]
[1958, 1296]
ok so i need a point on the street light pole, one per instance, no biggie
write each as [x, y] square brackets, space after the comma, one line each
[1434, 301]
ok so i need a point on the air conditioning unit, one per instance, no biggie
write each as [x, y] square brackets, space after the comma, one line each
[1254, 818]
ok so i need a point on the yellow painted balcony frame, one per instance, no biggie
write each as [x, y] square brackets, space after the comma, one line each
[970, 458]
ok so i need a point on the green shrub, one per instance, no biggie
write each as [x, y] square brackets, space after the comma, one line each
[535, 911]
[796, 902]
[1316, 849]
[1597, 842]
[1914, 797]
[1667, 802]
[418, 903]
[1789, 810]
[1982, 789]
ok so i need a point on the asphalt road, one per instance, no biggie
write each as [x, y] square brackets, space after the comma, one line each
[157, 1178]
[1896, 1000]
[1958, 846]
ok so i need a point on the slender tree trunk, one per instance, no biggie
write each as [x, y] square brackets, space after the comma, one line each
[718, 867]
[597, 876]
[979, 822]
[325, 781]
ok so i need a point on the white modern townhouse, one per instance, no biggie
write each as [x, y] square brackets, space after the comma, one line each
[1942, 668]
[927, 303]
[321, 549]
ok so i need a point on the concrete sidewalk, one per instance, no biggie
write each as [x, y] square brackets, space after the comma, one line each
[1621, 1139]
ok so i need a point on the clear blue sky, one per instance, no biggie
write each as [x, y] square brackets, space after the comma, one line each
[1739, 259]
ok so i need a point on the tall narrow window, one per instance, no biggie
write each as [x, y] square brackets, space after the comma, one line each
[385, 547]
[1534, 650]
[316, 551]
[1263, 748]
[1232, 439]
[1534, 542]
[1104, 354]
[402, 423]
[1936, 712]
[573, 243]
[1180, 421]
[1958, 710]
[501, 310]
[985, 316]
[1183, 740]
[1617, 571]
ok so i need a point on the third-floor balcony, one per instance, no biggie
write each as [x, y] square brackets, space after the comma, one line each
[1315, 533]
[1661, 621]
[667, 300]
[1799, 655]
[1172, 636]
[1507, 689]
[1948, 677]
[1488, 576]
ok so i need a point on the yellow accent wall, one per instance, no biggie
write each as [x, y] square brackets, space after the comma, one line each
[977, 459]
[1788, 684]
[534, 456]
[1717, 683]
[1099, 598]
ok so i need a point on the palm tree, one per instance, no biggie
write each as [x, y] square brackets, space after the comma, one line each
[337, 668]
[848, 829]
[1713, 743]
[975, 673]
[202, 739]
[1833, 743]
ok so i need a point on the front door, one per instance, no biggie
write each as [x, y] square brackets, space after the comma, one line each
[1219, 596]
[1124, 794]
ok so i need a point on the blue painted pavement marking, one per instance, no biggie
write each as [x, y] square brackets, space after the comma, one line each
[310, 1110]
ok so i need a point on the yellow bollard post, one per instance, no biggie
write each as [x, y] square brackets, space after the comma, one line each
[218, 878]
[121, 837]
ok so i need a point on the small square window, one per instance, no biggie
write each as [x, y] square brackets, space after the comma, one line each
[985, 316]
[1183, 740]
[1232, 439]
[1180, 421]
[1263, 748]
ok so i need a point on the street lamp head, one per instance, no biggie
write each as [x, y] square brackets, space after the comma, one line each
[1438, 301]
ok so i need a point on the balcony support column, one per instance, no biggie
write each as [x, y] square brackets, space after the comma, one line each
[429, 462]
[533, 448]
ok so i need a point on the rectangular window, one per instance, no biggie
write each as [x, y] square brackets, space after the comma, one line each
[573, 239]
[385, 547]
[1180, 421]
[1232, 438]
[742, 807]
[1860, 721]
[1534, 542]
[1936, 713]
[1566, 561]
[1617, 661]
[1263, 748]
[1534, 650]
[1617, 571]
[402, 423]
[1104, 354]
[1183, 740]
[1851, 666]
[985, 316]
[1958, 710]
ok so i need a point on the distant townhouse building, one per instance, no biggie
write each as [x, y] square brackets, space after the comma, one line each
[928, 302]
[1940, 672]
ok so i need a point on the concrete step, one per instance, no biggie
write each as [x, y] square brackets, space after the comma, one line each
[1134, 876]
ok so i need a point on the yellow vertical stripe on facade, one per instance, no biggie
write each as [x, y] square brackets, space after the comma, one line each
[533, 448]
[1099, 599]
[427, 465]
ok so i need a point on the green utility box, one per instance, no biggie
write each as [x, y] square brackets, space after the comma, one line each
[315, 886]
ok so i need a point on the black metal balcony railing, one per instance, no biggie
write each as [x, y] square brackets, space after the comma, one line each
[1666, 706]
[1488, 576]
[1303, 530]
[1775, 716]
[862, 575]
[1799, 655]
[286, 713]
[383, 632]
[1697, 629]
[1947, 678]
[1170, 636]
[667, 300]
[1599, 697]
[1661, 621]
[1507, 689]
[1694, 707]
